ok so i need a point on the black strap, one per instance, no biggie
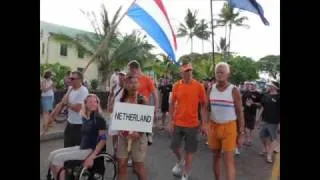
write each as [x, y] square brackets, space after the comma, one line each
[117, 92]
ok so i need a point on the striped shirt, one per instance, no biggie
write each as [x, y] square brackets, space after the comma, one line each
[222, 105]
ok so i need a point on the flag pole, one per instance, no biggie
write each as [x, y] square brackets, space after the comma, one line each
[212, 35]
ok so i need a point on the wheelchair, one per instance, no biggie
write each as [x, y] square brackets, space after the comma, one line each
[104, 168]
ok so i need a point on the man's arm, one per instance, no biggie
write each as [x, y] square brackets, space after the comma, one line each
[203, 105]
[239, 109]
[78, 104]
[110, 97]
[172, 102]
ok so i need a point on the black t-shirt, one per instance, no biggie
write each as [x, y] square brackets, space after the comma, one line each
[165, 91]
[271, 108]
[251, 96]
[90, 131]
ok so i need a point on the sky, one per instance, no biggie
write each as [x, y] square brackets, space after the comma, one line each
[256, 42]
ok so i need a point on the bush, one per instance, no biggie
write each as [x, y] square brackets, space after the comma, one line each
[94, 84]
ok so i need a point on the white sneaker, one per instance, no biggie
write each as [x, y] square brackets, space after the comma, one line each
[237, 152]
[177, 169]
[184, 177]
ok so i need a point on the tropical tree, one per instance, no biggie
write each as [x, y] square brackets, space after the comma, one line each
[243, 69]
[192, 28]
[228, 18]
[107, 47]
[202, 32]
[271, 65]
[59, 71]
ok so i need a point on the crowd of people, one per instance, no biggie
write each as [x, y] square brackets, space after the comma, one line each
[225, 114]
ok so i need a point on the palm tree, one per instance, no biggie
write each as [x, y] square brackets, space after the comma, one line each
[191, 27]
[107, 47]
[222, 47]
[202, 32]
[228, 18]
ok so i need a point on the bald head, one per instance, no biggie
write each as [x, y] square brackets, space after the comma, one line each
[222, 71]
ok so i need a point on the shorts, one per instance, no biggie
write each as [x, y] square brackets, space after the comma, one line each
[72, 135]
[138, 148]
[60, 156]
[269, 131]
[250, 121]
[222, 136]
[47, 103]
[190, 136]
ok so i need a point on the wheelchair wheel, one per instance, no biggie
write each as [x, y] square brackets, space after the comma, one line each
[104, 168]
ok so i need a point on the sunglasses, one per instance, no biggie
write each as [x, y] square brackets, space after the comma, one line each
[72, 78]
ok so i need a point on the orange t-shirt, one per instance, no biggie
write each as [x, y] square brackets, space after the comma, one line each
[146, 86]
[186, 99]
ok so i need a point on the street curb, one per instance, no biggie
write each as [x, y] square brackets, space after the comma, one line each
[52, 136]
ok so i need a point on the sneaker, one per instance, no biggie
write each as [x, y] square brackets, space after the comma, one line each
[129, 162]
[184, 177]
[237, 152]
[269, 159]
[177, 169]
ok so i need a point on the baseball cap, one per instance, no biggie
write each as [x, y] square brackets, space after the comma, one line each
[186, 67]
[123, 72]
[134, 63]
[274, 84]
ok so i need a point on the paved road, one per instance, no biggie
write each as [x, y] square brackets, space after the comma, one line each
[160, 160]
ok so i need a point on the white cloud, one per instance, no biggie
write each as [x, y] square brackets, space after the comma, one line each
[255, 42]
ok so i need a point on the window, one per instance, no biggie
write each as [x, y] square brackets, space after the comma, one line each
[64, 50]
[80, 69]
[80, 52]
[42, 48]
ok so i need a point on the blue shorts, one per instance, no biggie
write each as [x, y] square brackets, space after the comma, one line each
[47, 103]
[269, 131]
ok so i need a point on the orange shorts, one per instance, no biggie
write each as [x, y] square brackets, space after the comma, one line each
[222, 136]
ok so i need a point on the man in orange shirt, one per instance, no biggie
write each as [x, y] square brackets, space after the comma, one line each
[187, 94]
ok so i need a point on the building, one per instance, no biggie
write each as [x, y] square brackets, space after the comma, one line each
[53, 51]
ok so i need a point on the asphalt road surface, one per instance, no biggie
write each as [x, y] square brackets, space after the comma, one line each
[160, 160]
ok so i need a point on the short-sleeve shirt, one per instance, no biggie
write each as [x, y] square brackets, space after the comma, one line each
[90, 131]
[186, 99]
[253, 96]
[271, 108]
[146, 86]
[76, 97]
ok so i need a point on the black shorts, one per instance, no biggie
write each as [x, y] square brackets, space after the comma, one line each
[190, 135]
[165, 107]
[250, 121]
[72, 135]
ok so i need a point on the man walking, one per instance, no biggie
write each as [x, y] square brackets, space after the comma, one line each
[251, 101]
[271, 119]
[226, 124]
[146, 87]
[114, 96]
[74, 100]
[187, 94]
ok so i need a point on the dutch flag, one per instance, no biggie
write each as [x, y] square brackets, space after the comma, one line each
[152, 16]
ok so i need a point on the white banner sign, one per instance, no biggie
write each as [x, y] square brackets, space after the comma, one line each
[132, 117]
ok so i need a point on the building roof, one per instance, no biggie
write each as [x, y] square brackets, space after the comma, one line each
[59, 29]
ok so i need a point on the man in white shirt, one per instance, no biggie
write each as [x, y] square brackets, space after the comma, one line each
[74, 100]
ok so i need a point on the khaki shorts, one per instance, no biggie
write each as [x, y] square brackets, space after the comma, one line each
[138, 148]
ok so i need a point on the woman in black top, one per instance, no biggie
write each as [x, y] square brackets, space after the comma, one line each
[93, 139]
